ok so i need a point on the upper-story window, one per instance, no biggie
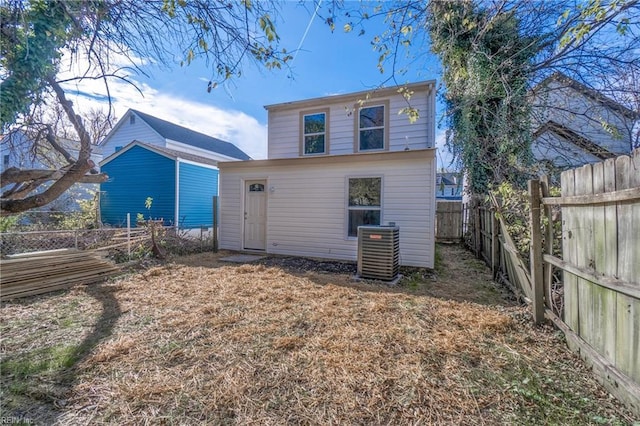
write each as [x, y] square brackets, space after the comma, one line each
[315, 134]
[372, 127]
[5, 160]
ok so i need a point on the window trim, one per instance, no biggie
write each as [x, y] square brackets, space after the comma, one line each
[348, 208]
[303, 114]
[356, 128]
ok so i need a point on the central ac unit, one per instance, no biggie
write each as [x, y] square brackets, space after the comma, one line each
[379, 252]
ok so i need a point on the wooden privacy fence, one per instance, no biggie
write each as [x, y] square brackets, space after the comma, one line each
[488, 237]
[590, 288]
[449, 220]
[600, 267]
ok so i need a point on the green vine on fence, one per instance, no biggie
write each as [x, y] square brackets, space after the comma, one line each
[514, 210]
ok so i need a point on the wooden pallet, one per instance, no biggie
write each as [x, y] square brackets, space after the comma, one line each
[41, 272]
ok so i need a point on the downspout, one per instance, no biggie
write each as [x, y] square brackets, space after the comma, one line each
[177, 212]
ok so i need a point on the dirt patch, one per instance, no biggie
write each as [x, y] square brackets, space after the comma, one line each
[200, 341]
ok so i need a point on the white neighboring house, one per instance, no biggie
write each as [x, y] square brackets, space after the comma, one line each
[135, 125]
[16, 151]
[335, 163]
[575, 125]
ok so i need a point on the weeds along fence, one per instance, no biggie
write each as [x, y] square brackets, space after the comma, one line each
[583, 271]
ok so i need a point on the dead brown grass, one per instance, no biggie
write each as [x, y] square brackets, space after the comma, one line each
[201, 341]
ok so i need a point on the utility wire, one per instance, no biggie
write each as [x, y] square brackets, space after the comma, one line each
[306, 31]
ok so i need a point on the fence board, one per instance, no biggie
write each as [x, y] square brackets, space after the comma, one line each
[628, 309]
[604, 299]
[571, 313]
[517, 270]
[610, 266]
[629, 194]
[583, 234]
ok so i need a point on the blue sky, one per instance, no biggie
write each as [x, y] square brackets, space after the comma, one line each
[327, 63]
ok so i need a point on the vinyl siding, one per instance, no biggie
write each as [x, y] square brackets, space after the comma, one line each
[581, 114]
[307, 209]
[197, 186]
[126, 133]
[560, 152]
[284, 125]
[134, 176]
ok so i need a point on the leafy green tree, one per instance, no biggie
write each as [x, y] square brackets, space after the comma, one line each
[492, 53]
[485, 62]
[37, 35]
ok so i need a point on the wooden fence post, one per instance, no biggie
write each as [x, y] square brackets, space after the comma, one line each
[495, 244]
[548, 247]
[536, 252]
[477, 231]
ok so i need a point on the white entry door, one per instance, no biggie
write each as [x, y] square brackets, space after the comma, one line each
[255, 215]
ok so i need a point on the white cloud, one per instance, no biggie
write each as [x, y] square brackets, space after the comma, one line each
[233, 126]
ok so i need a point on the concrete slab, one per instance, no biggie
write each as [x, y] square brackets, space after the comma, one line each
[242, 258]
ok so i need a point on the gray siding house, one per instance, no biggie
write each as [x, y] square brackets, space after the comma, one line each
[575, 125]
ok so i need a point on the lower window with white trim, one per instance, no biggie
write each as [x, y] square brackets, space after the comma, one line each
[364, 205]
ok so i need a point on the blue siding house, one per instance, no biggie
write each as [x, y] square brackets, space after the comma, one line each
[182, 186]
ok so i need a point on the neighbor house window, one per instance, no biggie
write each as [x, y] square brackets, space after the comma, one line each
[5, 160]
[372, 127]
[314, 133]
[132, 119]
[364, 203]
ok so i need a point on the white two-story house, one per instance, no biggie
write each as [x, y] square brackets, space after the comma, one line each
[335, 163]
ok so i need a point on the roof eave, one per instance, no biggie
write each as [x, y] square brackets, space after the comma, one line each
[374, 93]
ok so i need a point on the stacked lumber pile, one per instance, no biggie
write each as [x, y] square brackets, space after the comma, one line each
[41, 272]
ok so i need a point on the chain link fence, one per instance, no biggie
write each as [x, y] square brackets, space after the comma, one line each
[121, 243]
[30, 241]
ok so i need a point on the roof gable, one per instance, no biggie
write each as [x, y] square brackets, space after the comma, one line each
[190, 137]
[593, 94]
[574, 138]
[124, 119]
[169, 153]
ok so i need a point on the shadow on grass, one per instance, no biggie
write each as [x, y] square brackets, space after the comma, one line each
[36, 383]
